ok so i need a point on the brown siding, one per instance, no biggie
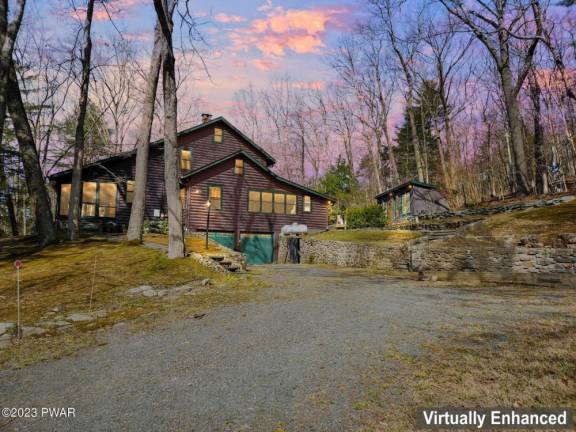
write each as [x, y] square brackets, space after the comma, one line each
[234, 215]
[121, 170]
[205, 150]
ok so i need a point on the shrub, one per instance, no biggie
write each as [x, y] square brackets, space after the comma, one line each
[364, 217]
[156, 226]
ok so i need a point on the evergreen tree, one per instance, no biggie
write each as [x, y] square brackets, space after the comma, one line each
[427, 112]
[340, 182]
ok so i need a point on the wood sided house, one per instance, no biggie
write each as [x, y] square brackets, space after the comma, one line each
[411, 199]
[249, 202]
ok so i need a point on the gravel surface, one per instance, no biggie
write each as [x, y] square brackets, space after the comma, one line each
[292, 359]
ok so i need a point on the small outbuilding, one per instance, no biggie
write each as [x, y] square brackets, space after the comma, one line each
[412, 199]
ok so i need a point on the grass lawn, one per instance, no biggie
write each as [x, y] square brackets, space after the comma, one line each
[527, 364]
[368, 236]
[547, 222]
[193, 243]
[61, 276]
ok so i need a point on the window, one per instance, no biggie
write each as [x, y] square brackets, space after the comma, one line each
[307, 204]
[107, 200]
[185, 160]
[267, 202]
[130, 191]
[254, 201]
[279, 203]
[89, 199]
[215, 197]
[271, 202]
[239, 167]
[406, 204]
[64, 199]
[291, 204]
[218, 135]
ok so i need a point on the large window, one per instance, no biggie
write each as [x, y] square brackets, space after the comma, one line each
[307, 204]
[98, 199]
[271, 202]
[218, 135]
[89, 199]
[130, 191]
[185, 160]
[215, 197]
[239, 167]
[64, 199]
[107, 200]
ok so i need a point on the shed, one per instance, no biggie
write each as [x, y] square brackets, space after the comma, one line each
[411, 199]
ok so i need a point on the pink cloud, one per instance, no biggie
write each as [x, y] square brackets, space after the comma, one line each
[265, 64]
[227, 19]
[114, 9]
[299, 30]
[310, 85]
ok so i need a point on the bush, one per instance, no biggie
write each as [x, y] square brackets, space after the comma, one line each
[365, 217]
[156, 226]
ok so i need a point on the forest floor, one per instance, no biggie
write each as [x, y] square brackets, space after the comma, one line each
[58, 281]
[546, 222]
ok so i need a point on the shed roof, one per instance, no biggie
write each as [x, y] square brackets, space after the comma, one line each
[404, 185]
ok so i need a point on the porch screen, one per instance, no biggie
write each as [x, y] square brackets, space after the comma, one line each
[64, 199]
[406, 204]
[89, 199]
[107, 200]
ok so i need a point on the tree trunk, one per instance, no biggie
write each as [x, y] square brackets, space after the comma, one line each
[391, 157]
[521, 177]
[32, 170]
[414, 133]
[176, 246]
[539, 154]
[4, 186]
[76, 188]
[136, 224]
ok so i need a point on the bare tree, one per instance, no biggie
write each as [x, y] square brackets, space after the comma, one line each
[176, 246]
[386, 13]
[76, 187]
[497, 24]
[136, 224]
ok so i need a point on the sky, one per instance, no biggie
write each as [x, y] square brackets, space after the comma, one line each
[246, 41]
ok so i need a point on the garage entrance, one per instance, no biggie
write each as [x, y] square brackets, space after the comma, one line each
[259, 248]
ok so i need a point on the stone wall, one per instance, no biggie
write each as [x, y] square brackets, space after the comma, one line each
[523, 262]
[348, 254]
[445, 256]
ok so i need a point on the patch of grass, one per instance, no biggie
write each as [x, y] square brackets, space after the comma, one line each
[60, 276]
[193, 243]
[526, 364]
[368, 236]
[547, 222]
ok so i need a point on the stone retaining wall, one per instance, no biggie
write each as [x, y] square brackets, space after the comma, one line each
[489, 262]
[348, 254]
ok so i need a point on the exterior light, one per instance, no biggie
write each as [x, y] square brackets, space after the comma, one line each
[208, 203]
[196, 191]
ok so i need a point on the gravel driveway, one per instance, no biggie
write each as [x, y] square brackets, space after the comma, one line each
[292, 359]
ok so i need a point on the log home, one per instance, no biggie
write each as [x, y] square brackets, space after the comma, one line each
[223, 172]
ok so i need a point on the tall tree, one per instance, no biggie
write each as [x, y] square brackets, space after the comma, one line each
[498, 25]
[176, 246]
[136, 224]
[76, 188]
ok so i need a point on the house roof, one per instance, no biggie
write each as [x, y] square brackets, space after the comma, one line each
[262, 167]
[270, 159]
[130, 153]
[117, 156]
[404, 185]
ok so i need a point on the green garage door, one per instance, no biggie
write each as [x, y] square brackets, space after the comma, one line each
[259, 248]
[224, 238]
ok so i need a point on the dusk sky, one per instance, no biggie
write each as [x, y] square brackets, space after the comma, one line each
[248, 41]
